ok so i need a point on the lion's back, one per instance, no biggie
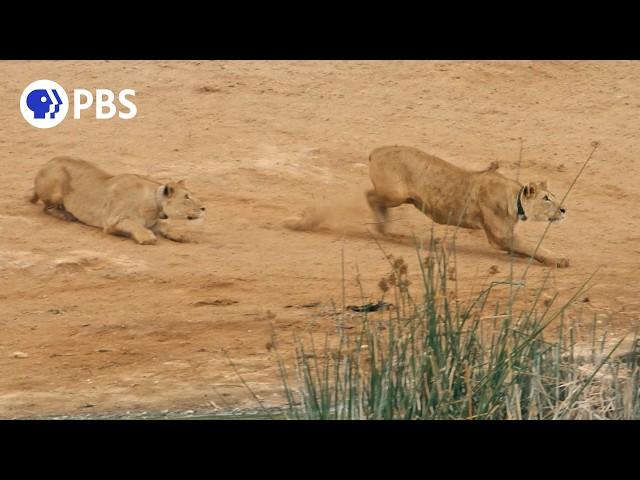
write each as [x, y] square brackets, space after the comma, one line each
[408, 170]
[89, 193]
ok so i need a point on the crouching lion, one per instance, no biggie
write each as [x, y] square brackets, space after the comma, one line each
[127, 204]
[453, 196]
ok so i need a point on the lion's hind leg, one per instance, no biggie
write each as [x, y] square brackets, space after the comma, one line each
[380, 206]
[380, 210]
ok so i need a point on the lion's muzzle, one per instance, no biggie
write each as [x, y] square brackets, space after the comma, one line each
[559, 216]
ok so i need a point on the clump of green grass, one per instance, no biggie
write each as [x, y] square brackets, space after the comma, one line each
[434, 357]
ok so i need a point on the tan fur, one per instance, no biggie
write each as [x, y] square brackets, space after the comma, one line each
[453, 196]
[127, 204]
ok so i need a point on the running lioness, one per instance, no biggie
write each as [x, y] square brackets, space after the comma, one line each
[453, 196]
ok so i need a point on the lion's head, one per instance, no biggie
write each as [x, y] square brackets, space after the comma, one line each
[539, 204]
[176, 201]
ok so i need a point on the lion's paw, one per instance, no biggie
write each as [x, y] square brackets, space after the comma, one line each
[146, 238]
[560, 262]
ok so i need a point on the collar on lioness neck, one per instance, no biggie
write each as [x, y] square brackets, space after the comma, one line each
[521, 215]
[159, 195]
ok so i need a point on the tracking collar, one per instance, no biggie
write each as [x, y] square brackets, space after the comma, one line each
[521, 215]
[159, 194]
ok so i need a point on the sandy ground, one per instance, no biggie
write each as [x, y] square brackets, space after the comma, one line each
[111, 326]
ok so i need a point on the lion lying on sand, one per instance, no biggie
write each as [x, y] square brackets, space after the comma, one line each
[127, 204]
[453, 196]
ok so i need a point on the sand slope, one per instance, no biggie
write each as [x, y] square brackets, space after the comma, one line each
[108, 325]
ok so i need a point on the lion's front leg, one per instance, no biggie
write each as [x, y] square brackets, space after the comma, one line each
[138, 232]
[163, 228]
[503, 237]
[525, 247]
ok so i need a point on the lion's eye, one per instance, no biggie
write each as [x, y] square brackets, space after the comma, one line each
[187, 197]
[546, 198]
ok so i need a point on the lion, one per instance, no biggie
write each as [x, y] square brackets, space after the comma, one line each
[127, 204]
[451, 195]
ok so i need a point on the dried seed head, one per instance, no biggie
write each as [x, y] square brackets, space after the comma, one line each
[452, 273]
[398, 263]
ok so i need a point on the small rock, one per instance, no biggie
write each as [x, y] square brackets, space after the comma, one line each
[493, 269]
[19, 355]
[561, 168]
[310, 305]
[209, 89]
[218, 302]
[55, 311]
[87, 405]
[369, 307]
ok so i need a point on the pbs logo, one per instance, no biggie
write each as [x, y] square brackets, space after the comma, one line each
[44, 103]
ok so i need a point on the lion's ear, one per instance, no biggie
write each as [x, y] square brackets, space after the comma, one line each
[530, 190]
[543, 185]
[168, 190]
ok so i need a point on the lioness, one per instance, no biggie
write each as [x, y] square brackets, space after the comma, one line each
[453, 196]
[127, 204]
